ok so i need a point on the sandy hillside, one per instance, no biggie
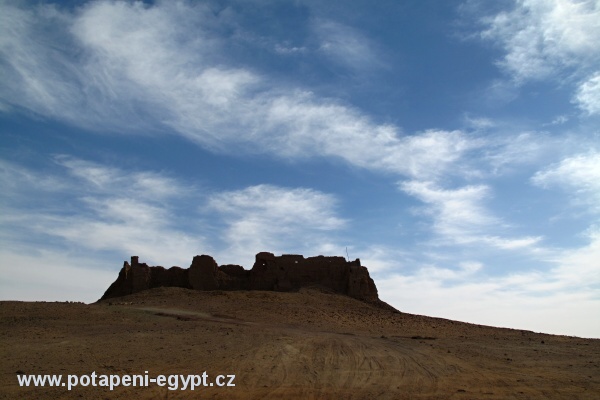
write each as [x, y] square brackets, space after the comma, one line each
[306, 345]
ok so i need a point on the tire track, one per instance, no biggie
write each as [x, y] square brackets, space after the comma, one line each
[321, 364]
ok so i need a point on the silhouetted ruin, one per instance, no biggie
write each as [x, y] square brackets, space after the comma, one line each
[285, 273]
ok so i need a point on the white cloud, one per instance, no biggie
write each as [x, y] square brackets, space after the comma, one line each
[141, 68]
[579, 175]
[124, 211]
[465, 270]
[581, 266]
[346, 46]
[117, 65]
[98, 208]
[15, 179]
[285, 48]
[559, 120]
[127, 226]
[329, 129]
[588, 95]
[32, 53]
[108, 210]
[559, 298]
[543, 37]
[459, 215]
[457, 212]
[270, 218]
[514, 150]
[165, 57]
[380, 260]
[511, 244]
[140, 185]
[479, 123]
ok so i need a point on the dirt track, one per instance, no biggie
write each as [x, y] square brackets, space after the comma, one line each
[286, 345]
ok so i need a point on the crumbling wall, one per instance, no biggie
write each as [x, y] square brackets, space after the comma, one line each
[288, 272]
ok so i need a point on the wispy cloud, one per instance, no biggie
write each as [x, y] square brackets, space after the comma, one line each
[552, 41]
[286, 48]
[109, 210]
[588, 95]
[138, 185]
[266, 217]
[325, 128]
[122, 212]
[148, 68]
[580, 267]
[542, 38]
[381, 260]
[460, 216]
[347, 46]
[514, 150]
[579, 175]
[463, 271]
[457, 211]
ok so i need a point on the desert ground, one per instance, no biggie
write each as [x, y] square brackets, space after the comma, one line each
[305, 345]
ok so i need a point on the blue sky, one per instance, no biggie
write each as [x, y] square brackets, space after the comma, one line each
[452, 146]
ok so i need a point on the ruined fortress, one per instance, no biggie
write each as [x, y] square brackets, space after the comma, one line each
[285, 273]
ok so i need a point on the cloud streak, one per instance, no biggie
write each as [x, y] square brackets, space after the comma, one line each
[140, 212]
[578, 175]
[346, 46]
[554, 41]
[279, 219]
[587, 96]
[459, 215]
[139, 68]
[108, 210]
[542, 38]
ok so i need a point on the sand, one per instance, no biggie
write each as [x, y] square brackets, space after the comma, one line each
[306, 345]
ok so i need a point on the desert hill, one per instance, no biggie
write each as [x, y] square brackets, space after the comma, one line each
[310, 343]
[302, 345]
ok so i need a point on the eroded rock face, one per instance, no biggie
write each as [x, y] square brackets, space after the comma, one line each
[288, 272]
